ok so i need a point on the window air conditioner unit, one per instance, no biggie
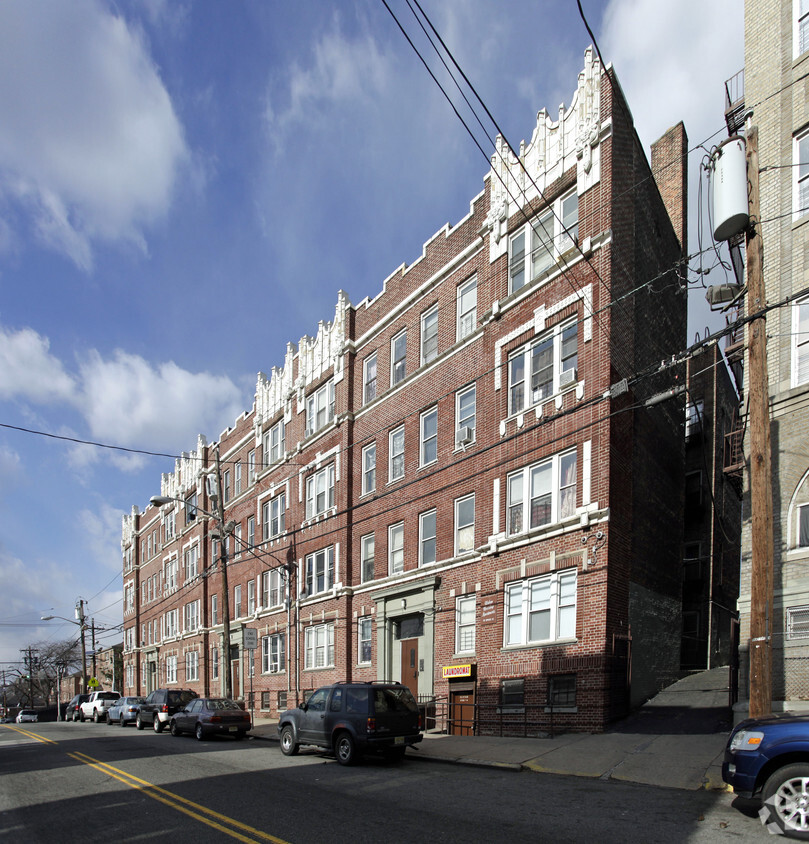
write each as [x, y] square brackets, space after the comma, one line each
[568, 377]
[464, 435]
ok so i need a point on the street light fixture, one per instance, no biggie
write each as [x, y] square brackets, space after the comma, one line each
[223, 530]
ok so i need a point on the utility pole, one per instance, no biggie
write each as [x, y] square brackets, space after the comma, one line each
[93, 641]
[223, 556]
[80, 617]
[761, 586]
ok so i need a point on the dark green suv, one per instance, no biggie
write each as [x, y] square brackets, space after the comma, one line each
[354, 718]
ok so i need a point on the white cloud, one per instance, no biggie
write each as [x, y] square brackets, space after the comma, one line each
[29, 371]
[102, 532]
[341, 71]
[127, 401]
[90, 145]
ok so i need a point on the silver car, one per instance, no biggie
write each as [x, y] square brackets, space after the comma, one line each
[124, 711]
[26, 715]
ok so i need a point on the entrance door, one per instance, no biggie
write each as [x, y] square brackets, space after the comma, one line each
[234, 678]
[152, 680]
[462, 713]
[410, 665]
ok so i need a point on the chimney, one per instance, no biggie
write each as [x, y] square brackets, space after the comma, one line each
[670, 171]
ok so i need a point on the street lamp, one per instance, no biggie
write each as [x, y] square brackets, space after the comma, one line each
[223, 529]
[82, 627]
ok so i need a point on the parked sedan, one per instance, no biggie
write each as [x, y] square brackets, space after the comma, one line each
[209, 716]
[124, 710]
[72, 709]
[27, 715]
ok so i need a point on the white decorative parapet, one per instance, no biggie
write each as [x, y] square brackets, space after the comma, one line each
[554, 148]
[187, 470]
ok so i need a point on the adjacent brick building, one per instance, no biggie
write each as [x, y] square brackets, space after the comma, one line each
[457, 483]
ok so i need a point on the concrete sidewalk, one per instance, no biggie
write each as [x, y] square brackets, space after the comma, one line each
[676, 740]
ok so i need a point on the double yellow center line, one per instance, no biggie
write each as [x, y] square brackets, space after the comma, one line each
[235, 829]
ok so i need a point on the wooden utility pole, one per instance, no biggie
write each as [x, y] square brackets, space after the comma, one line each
[761, 586]
[223, 557]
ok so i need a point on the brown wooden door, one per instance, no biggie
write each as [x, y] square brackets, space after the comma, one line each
[462, 713]
[234, 677]
[410, 665]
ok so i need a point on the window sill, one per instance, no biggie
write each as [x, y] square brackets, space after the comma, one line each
[562, 710]
[319, 668]
[533, 645]
[511, 710]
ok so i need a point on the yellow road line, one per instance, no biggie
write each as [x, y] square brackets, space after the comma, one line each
[30, 734]
[172, 800]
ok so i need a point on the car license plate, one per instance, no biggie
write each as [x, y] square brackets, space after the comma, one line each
[399, 740]
[232, 729]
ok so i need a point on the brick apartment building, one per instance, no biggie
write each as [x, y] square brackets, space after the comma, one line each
[457, 483]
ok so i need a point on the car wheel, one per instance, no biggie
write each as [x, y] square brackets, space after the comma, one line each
[786, 796]
[109, 720]
[81, 715]
[173, 729]
[157, 724]
[345, 749]
[288, 745]
[122, 721]
[96, 716]
[138, 722]
[199, 733]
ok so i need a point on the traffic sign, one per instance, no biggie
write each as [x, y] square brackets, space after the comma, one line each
[250, 638]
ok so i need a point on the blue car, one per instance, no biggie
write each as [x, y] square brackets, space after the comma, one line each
[768, 759]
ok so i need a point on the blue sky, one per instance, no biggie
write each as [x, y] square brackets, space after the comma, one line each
[186, 184]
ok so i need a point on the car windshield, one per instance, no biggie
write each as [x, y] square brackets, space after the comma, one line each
[109, 696]
[394, 700]
[222, 703]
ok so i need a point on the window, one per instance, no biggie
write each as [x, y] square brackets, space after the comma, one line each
[562, 690]
[801, 174]
[803, 525]
[320, 492]
[369, 468]
[465, 415]
[273, 517]
[320, 408]
[237, 602]
[191, 562]
[190, 507]
[397, 467]
[693, 489]
[369, 379]
[129, 597]
[800, 341]
[251, 597]
[169, 528]
[172, 623]
[273, 653]
[251, 532]
[274, 443]
[541, 609]
[512, 693]
[428, 452]
[171, 669]
[797, 622]
[191, 617]
[272, 588]
[550, 234]
[237, 478]
[396, 548]
[170, 568]
[367, 562]
[542, 494]
[543, 367]
[364, 644]
[467, 307]
[320, 571]
[398, 358]
[429, 335]
[319, 646]
[214, 609]
[427, 538]
[214, 663]
[192, 665]
[251, 465]
[226, 486]
[465, 524]
[802, 27]
[694, 413]
[465, 625]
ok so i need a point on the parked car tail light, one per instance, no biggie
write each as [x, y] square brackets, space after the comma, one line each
[215, 719]
[164, 707]
[421, 726]
[371, 725]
